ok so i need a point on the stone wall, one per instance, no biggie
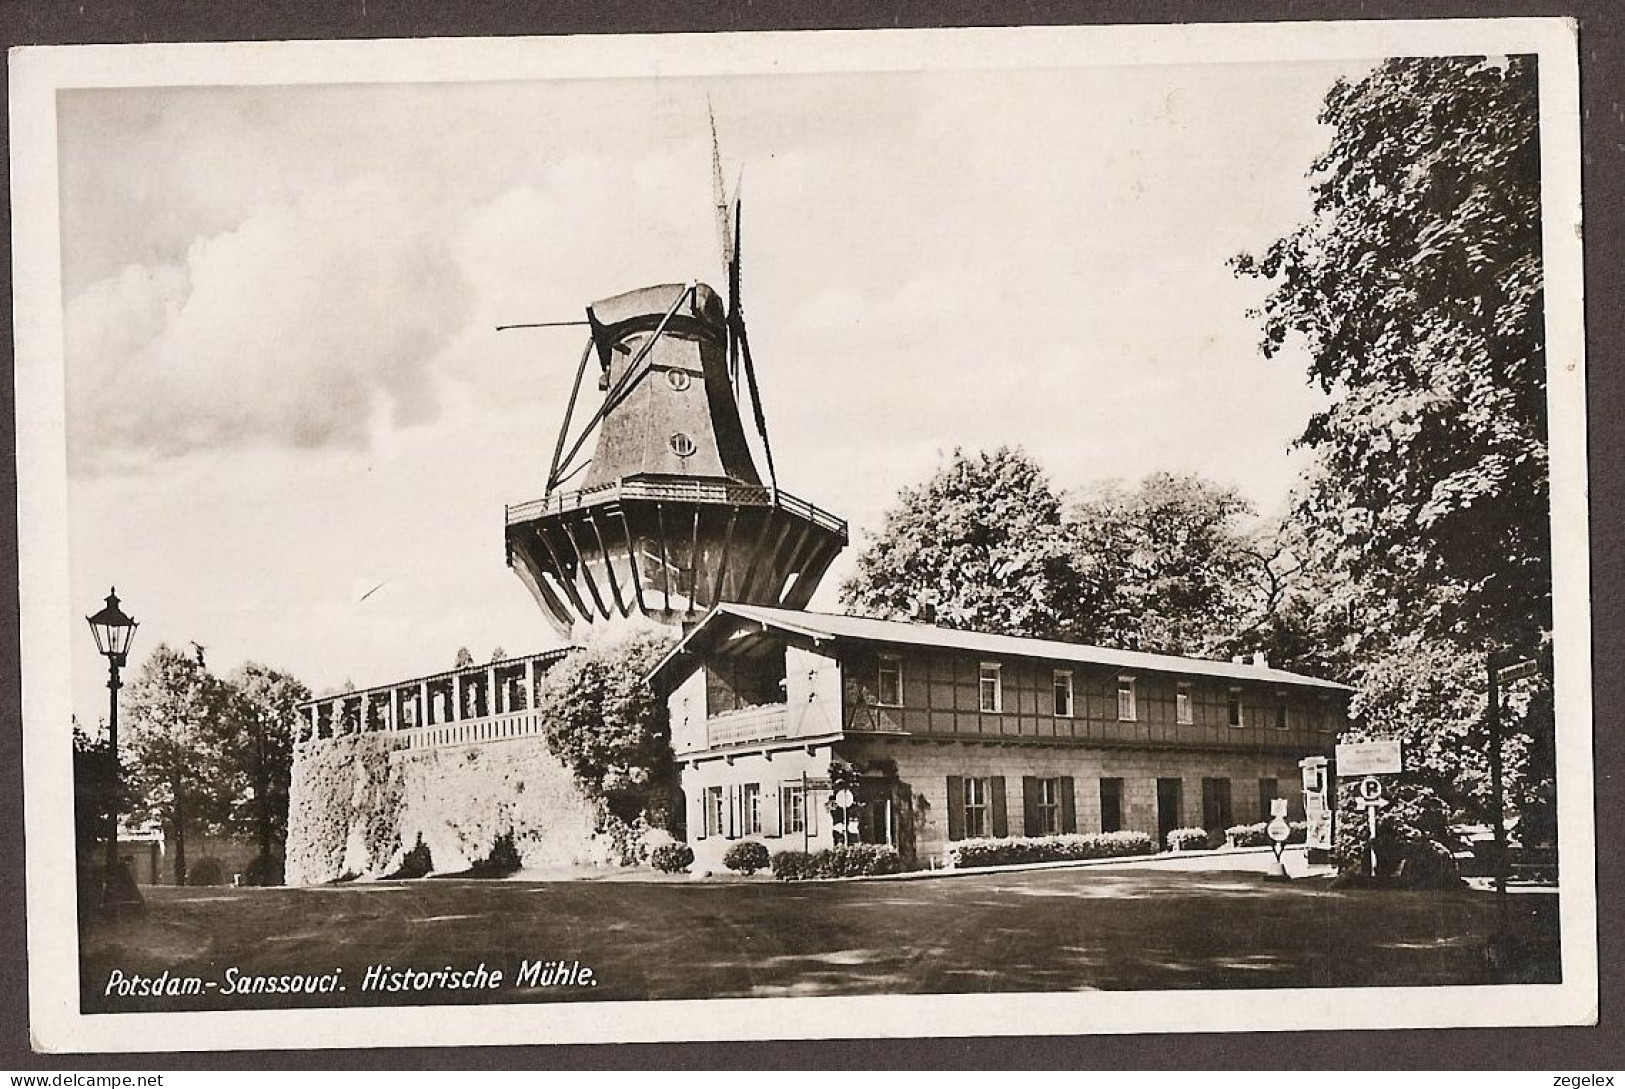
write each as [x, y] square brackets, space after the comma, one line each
[358, 803]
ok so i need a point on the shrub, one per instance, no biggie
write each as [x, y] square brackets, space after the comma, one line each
[1187, 839]
[746, 856]
[264, 870]
[855, 860]
[502, 860]
[1072, 847]
[1425, 864]
[672, 857]
[791, 865]
[414, 864]
[207, 871]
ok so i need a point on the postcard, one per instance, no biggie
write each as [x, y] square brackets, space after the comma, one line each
[798, 535]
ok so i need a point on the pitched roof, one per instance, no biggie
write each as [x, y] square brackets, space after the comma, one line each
[820, 626]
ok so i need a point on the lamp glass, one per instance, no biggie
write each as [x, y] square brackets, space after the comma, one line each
[112, 629]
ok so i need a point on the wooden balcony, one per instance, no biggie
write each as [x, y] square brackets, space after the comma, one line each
[762, 723]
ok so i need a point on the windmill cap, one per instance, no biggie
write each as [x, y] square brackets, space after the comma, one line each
[634, 311]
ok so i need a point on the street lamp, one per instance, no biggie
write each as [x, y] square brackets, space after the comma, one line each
[113, 631]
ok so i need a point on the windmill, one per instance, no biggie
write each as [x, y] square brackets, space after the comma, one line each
[669, 515]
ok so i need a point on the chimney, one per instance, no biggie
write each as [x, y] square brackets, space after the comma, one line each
[1259, 660]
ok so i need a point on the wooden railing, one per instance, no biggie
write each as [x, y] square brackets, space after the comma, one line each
[770, 720]
[474, 731]
[676, 491]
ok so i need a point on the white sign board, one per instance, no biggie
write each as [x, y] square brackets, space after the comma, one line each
[1367, 758]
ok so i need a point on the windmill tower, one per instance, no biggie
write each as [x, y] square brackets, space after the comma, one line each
[670, 514]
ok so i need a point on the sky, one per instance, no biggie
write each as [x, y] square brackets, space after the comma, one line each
[285, 386]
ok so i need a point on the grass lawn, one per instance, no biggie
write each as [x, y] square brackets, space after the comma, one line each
[1032, 931]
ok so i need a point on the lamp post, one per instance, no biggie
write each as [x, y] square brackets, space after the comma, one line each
[113, 631]
[1503, 669]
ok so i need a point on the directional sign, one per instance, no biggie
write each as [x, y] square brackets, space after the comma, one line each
[1278, 808]
[1368, 758]
[1518, 671]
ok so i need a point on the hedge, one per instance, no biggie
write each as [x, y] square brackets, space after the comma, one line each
[1257, 835]
[1010, 850]
[857, 860]
[1187, 839]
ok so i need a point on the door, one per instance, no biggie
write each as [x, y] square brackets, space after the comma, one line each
[1168, 794]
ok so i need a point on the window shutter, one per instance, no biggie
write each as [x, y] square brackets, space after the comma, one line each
[995, 802]
[1069, 806]
[956, 807]
[1029, 805]
[772, 820]
[733, 811]
[696, 819]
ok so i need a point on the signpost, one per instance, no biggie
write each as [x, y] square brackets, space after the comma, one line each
[1370, 759]
[1370, 799]
[844, 801]
[1501, 674]
[1279, 832]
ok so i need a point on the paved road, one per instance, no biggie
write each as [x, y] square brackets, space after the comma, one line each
[1033, 931]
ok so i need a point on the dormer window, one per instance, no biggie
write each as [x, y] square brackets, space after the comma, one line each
[889, 682]
[1126, 702]
[992, 688]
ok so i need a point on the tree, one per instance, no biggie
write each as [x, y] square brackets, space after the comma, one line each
[177, 749]
[605, 722]
[1172, 568]
[982, 545]
[986, 544]
[263, 711]
[93, 790]
[1416, 286]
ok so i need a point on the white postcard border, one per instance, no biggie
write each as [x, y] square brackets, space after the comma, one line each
[49, 622]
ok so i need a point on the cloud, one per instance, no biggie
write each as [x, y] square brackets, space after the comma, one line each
[299, 327]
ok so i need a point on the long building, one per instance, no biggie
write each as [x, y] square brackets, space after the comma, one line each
[958, 734]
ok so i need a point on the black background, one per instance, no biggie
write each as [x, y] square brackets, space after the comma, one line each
[1602, 54]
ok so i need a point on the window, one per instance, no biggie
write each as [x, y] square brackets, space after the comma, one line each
[751, 808]
[1063, 693]
[890, 681]
[992, 689]
[795, 817]
[1233, 707]
[682, 445]
[1323, 715]
[1280, 711]
[1182, 704]
[678, 380]
[1111, 805]
[1048, 807]
[716, 813]
[976, 807]
[1125, 699]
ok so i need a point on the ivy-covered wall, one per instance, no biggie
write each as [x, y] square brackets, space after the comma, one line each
[355, 812]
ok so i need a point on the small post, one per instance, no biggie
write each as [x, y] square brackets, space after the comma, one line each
[1499, 799]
